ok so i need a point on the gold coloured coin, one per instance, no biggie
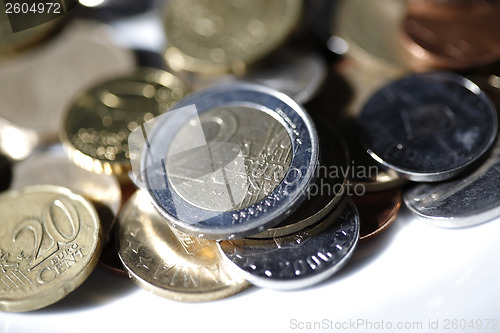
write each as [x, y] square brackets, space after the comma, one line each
[97, 125]
[371, 30]
[53, 167]
[50, 242]
[170, 263]
[37, 87]
[217, 36]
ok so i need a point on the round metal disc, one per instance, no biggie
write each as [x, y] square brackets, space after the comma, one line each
[50, 242]
[170, 263]
[53, 167]
[377, 211]
[324, 193]
[236, 165]
[299, 260]
[428, 127]
[451, 34]
[464, 202]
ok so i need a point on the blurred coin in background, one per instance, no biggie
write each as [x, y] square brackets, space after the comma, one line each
[37, 87]
[214, 36]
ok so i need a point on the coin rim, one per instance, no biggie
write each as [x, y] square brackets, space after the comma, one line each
[175, 295]
[96, 165]
[300, 282]
[434, 176]
[222, 95]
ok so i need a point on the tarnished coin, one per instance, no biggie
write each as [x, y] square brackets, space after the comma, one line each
[216, 36]
[299, 260]
[230, 161]
[170, 263]
[36, 88]
[464, 202]
[52, 167]
[428, 127]
[452, 34]
[369, 30]
[97, 125]
[49, 244]
[324, 193]
[377, 211]
[297, 74]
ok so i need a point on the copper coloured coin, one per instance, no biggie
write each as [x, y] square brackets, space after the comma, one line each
[455, 34]
[377, 210]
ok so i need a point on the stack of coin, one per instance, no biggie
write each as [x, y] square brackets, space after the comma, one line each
[241, 155]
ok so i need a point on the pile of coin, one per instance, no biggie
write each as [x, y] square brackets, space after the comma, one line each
[265, 142]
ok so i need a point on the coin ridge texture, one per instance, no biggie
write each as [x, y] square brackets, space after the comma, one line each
[463, 202]
[324, 193]
[221, 36]
[299, 260]
[270, 210]
[50, 243]
[428, 127]
[170, 263]
[102, 190]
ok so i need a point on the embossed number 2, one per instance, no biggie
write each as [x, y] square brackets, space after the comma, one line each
[48, 228]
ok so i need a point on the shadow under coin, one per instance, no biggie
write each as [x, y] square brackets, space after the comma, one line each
[99, 289]
[367, 252]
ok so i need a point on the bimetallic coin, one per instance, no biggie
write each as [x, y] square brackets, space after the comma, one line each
[215, 36]
[377, 211]
[428, 127]
[297, 74]
[370, 30]
[97, 126]
[36, 88]
[324, 193]
[230, 161]
[299, 260]
[170, 263]
[452, 34]
[463, 202]
[49, 244]
[52, 167]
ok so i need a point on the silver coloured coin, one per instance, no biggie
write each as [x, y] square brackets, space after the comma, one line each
[327, 190]
[230, 161]
[464, 202]
[299, 260]
[428, 127]
[297, 74]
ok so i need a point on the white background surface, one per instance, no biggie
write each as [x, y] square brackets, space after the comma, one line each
[412, 272]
